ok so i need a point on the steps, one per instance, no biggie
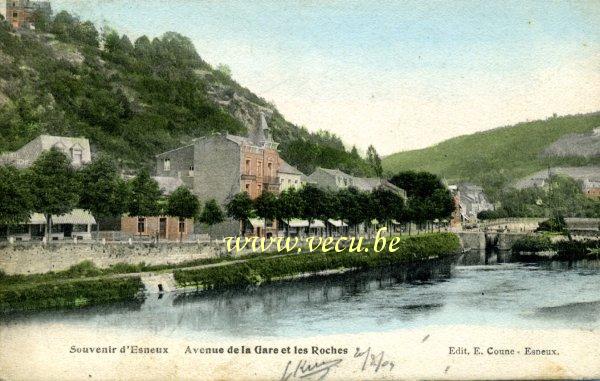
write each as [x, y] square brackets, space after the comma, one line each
[157, 283]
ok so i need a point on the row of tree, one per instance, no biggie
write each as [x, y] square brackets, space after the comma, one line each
[51, 186]
[428, 200]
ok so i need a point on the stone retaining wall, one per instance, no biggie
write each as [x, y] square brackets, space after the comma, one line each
[37, 258]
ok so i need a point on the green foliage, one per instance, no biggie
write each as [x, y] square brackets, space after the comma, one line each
[103, 192]
[145, 195]
[265, 205]
[68, 294]
[555, 224]
[352, 203]
[240, 207]
[562, 197]
[53, 183]
[183, 204]
[312, 201]
[212, 213]
[270, 269]
[428, 198]
[132, 101]
[572, 250]
[497, 157]
[16, 203]
[532, 244]
[374, 161]
[387, 205]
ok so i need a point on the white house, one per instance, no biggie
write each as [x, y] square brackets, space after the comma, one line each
[77, 149]
[289, 177]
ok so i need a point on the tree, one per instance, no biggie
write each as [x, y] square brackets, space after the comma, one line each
[224, 69]
[374, 161]
[16, 203]
[266, 206]
[211, 215]
[145, 196]
[387, 205]
[312, 202]
[54, 185]
[103, 192]
[351, 206]
[183, 204]
[240, 208]
[289, 205]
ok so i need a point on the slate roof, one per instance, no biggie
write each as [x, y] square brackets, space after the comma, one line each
[284, 167]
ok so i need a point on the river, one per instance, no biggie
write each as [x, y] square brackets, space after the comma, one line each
[477, 289]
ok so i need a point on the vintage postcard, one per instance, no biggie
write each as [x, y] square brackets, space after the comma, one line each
[299, 190]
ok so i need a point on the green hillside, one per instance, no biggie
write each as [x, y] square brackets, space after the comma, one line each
[497, 157]
[134, 99]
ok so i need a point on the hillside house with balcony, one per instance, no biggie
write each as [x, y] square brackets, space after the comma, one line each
[220, 165]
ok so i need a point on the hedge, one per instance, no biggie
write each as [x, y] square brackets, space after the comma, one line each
[75, 293]
[260, 270]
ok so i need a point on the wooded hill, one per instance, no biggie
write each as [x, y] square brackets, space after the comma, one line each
[499, 157]
[134, 99]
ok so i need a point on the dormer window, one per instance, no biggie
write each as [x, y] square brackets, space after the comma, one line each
[166, 164]
[191, 171]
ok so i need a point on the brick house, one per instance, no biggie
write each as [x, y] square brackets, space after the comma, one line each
[161, 227]
[20, 13]
[220, 165]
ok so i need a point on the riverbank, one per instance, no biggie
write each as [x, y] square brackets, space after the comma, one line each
[544, 247]
[85, 284]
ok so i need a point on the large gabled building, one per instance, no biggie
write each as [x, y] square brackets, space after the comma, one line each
[220, 165]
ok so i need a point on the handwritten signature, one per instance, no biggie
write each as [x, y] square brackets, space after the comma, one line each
[303, 369]
[373, 361]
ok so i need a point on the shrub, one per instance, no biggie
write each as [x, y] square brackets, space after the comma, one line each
[577, 249]
[532, 244]
[554, 224]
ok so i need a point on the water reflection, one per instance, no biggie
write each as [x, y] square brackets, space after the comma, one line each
[477, 288]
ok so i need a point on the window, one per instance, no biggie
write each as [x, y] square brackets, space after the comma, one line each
[248, 188]
[259, 170]
[259, 186]
[141, 225]
[270, 167]
[15, 15]
[191, 172]
[181, 225]
[76, 155]
[167, 164]
[248, 166]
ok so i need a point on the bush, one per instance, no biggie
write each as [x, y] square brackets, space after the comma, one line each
[577, 249]
[554, 224]
[532, 244]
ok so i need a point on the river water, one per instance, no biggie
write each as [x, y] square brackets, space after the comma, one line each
[476, 289]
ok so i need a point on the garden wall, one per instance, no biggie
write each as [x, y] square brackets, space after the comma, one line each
[32, 258]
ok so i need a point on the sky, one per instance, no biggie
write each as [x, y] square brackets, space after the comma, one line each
[399, 75]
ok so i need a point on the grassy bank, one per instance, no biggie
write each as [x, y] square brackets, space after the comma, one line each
[67, 294]
[261, 270]
[85, 284]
